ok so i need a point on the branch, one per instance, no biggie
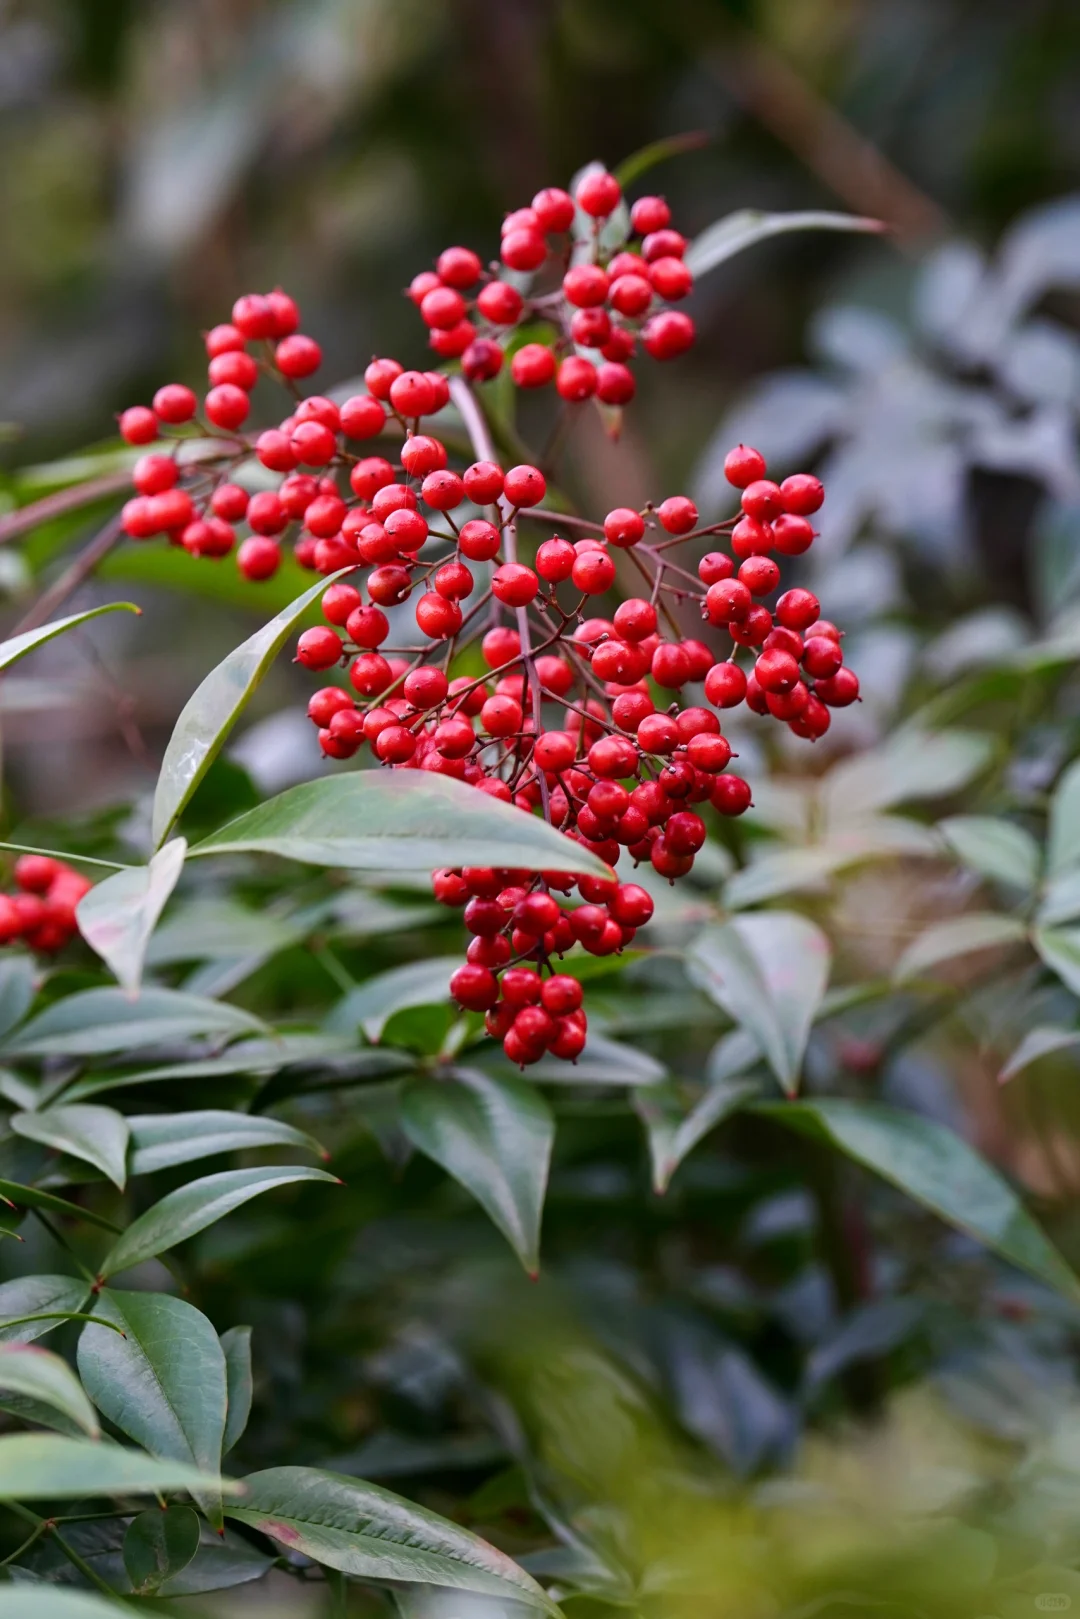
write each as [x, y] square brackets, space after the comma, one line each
[64, 500]
[73, 576]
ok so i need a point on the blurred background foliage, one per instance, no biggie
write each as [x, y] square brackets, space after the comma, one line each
[156, 159]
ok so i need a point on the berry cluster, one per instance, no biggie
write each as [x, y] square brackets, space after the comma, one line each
[42, 913]
[605, 294]
[582, 717]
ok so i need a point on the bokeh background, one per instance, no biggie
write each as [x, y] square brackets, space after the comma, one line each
[156, 159]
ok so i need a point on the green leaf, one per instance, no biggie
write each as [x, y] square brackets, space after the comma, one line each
[647, 157]
[117, 916]
[1061, 899]
[23, 1601]
[214, 708]
[32, 1197]
[159, 1544]
[495, 1137]
[910, 765]
[193, 1207]
[163, 1382]
[96, 1022]
[372, 1004]
[994, 848]
[939, 1170]
[19, 645]
[219, 929]
[236, 1347]
[159, 1140]
[1060, 951]
[1038, 1043]
[36, 1467]
[374, 1535]
[745, 228]
[37, 1295]
[768, 972]
[958, 936]
[1063, 831]
[97, 1135]
[255, 1057]
[222, 1561]
[673, 1132]
[37, 1374]
[16, 990]
[399, 820]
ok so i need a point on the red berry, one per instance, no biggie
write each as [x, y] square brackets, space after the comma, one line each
[174, 404]
[314, 444]
[454, 738]
[670, 665]
[533, 366]
[554, 209]
[751, 630]
[379, 376]
[514, 584]
[751, 538]
[585, 286]
[153, 474]
[822, 657]
[762, 499]
[275, 450]
[668, 335]
[370, 674]
[266, 514]
[555, 750]
[437, 617]
[325, 703]
[730, 795]
[658, 733]
[725, 685]
[412, 394]
[797, 609]
[224, 339]
[760, 575]
[500, 646]
[792, 535]
[475, 988]
[776, 671]
[443, 308]
[482, 360]
[235, 367]
[524, 486]
[500, 303]
[555, 560]
[615, 384]
[319, 648]
[367, 626]
[362, 416]
[649, 214]
[743, 466]
[593, 572]
[802, 494]
[728, 599]
[449, 887]
[138, 425]
[635, 618]
[590, 327]
[259, 558]
[523, 250]
[631, 295]
[297, 356]
[227, 406]
[576, 379]
[459, 267]
[253, 315]
[613, 756]
[370, 475]
[678, 514]
[671, 278]
[483, 482]
[421, 285]
[598, 193]
[840, 690]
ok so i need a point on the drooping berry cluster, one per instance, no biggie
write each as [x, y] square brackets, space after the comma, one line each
[590, 292]
[42, 912]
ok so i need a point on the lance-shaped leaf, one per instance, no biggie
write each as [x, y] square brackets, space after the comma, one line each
[910, 765]
[214, 708]
[240, 1383]
[19, 645]
[398, 820]
[39, 1375]
[1041, 1042]
[375, 1535]
[97, 1135]
[1063, 833]
[160, 1379]
[32, 1197]
[36, 1467]
[43, 1601]
[1060, 951]
[159, 1140]
[54, 1296]
[994, 848]
[938, 1169]
[117, 916]
[738, 231]
[193, 1207]
[673, 1132]
[372, 1004]
[958, 936]
[495, 1137]
[97, 1022]
[16, 990]
[769, 972]
[158, 1545]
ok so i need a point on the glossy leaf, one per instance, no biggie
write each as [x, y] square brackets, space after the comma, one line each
[37, 1467]
[236, 1347]
[748, 226]
[1063, 832]
[98, 1022]
[97, 1135]
[769, 973]
[38, 1374]
[400, 820]
[912, 765]
[258, 1057]
[938, 1169]
[118, 916]
[193, 1207]
[32, 1197]
[221, 1562]
[163, 1382]
[24, 1601]
[210, 713]
[1042, 1042]
[674, 1132]
[372, 1004]
[1061, 899]
[495, 1137]
[159, 1140]
[16, 990]
[993, 847]
[1060, 951]
[958, 936]
[158, 1545]
[38, 1295]
[19, 645]
[374, 1535]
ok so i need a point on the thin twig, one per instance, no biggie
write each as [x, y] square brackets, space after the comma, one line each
[73, 577]
[64, 500]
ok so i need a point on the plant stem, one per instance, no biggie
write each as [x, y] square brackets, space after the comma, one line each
[73, 576]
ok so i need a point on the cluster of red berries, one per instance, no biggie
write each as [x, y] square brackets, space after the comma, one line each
[579, 716]
[42, 913]
[605, 293]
